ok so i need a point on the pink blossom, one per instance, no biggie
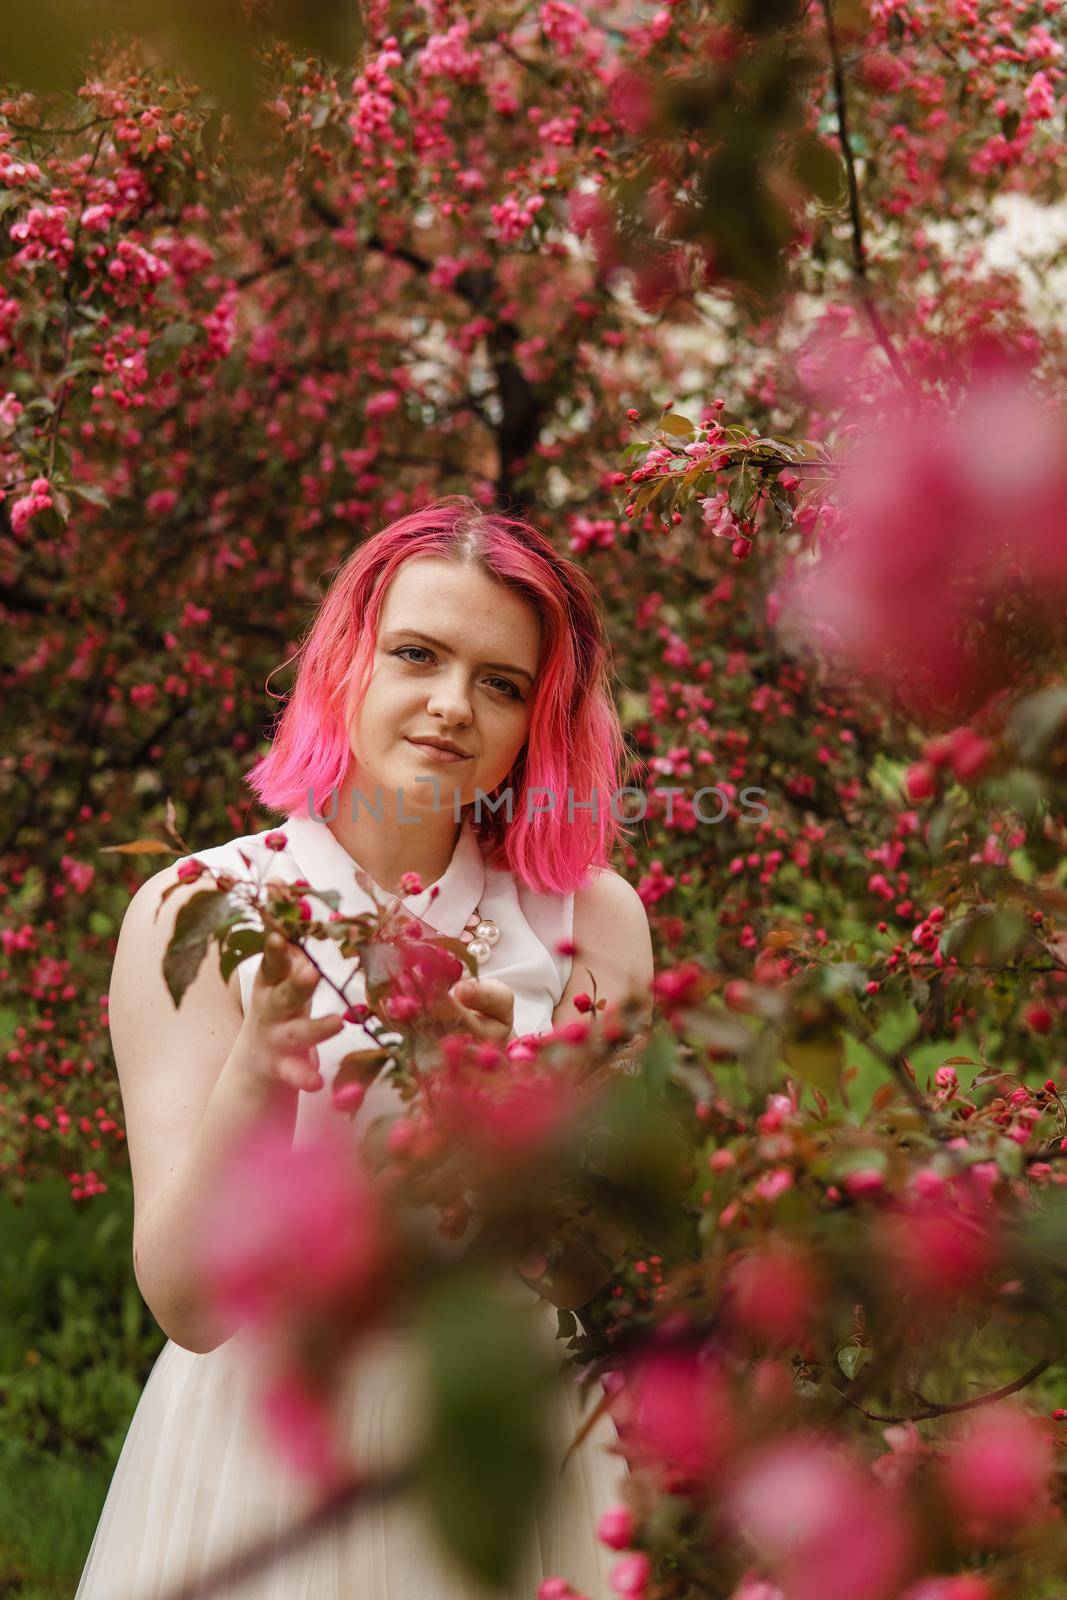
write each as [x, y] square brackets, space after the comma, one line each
[348, 1097]
[513, 217]
[940, 1246]
[11, 409]
[418, 971]
[995, 1474]
[1041, 46]
[288, 1227]
[772, 1293]
[828, 1529]
[920, 781]
[382, 404]
[80, 874]
[630, 1575]
[1040, 96]
[958, 1586]
[563, 23]
[30, 505]
[770, 1186]
[631, 100]
[303, 1428]
[449, 55]
[509, 1104]
[161, 502]
[676, 1411]
[906, 1449]
[940, 523]
[757, 1589]
[616, 1528]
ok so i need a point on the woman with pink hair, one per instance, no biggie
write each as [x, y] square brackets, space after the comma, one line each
[451, 725]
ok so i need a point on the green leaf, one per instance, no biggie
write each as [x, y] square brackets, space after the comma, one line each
[241, 944]
[176, 335]
[487, 1455]
[658, 1058]
[88, 491]
[360, 1066]
[990, 934]
[681, 427]
[197, 921]
[1037, 721]
[817, 1058]
[820, 169]
[852, 1358]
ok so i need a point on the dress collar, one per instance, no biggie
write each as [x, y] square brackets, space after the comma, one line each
[326, 864]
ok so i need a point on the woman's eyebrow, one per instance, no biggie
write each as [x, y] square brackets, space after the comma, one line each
[413, 633]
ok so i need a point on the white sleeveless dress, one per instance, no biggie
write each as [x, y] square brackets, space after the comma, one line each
[197, 1480]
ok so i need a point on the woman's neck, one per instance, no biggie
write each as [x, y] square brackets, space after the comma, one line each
[394, 837]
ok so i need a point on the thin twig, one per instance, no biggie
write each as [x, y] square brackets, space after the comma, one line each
[859, 249]
[931, 1408]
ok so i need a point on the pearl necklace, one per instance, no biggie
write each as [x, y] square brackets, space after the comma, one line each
[480, 935]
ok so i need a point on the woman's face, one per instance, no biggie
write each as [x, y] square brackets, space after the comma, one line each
[455, 660]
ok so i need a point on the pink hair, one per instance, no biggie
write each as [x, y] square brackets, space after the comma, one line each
[575, 742]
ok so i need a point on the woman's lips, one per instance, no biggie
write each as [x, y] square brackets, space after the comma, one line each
[432, 753]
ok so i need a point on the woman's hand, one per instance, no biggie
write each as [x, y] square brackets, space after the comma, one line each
[278, 1038]
[484, 1007]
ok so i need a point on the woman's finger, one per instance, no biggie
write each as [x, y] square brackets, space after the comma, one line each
[486, 996]
[301, 1070]
[297, 1033]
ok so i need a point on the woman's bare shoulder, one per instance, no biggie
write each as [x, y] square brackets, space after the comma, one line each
[610, 914]
[149, 921]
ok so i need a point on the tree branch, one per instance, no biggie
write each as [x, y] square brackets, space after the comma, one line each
[859, 249]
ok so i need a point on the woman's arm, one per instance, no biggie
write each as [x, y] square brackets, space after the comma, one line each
[612, 941]
[187, 1095]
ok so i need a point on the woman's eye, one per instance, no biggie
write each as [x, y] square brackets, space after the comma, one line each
[502, 683]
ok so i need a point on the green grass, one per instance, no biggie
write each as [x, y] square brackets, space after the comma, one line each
[49, 1508]
[76, 1345]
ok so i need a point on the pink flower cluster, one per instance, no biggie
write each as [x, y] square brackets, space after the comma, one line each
[372, 92]
[563, 23]
[450, 55]
[44, 236]
[15, 174]
[514, 217]
[30, 505]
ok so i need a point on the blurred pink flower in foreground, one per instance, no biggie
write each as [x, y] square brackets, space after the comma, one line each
[498, 1103]
[302, 1424]
[676, 1412]
[995, 1474]
[828, 1530]
[773, 1293]
[952, 548]
[939, 1246]
[288, 1230]
[956, 1586]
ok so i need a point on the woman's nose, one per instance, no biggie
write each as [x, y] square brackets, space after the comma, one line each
[449, 699]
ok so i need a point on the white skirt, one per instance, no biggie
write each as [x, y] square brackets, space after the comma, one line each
[198, 1481]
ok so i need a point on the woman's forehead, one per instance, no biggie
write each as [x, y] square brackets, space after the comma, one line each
[463, 608]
